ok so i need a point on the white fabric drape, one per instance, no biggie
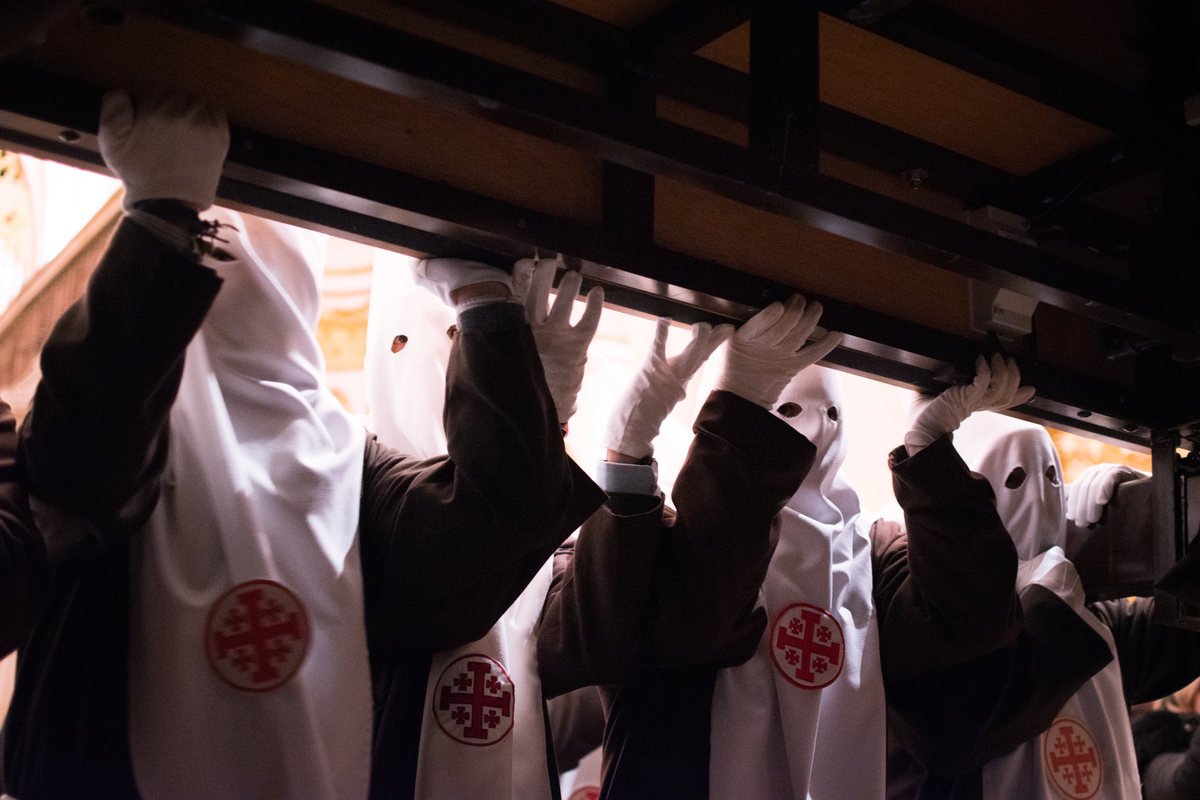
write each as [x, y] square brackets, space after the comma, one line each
[1088, 752]
[263, 690]
[805, 716]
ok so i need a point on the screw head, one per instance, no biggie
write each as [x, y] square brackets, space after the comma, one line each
[915, 177]
[69, 136]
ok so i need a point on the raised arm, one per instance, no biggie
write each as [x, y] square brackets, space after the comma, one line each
[449, 543]
[1156, 659]
[94, 441]
[648, 590]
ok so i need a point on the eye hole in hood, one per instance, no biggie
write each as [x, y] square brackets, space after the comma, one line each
[1015, 478]
[790, 410]
[1052, 475]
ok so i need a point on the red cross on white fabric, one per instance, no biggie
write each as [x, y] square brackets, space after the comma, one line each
[257, 635]
[473, 703]
[1072, 759]
[807, 646]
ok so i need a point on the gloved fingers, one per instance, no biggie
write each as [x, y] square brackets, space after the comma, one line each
[999, 385]
[539, 292]
[816, 351]
[1102, 483]
[752, 329]
[658, 347]
[705, 339]
[805, 324]
[1079, 494]
[1010, 381]
[522, 278]
[1099, 494]
[564, 301]
[778, 336]
[1021, 396]
[968, 397]
[1083, 493]
[589, 321]
[116, 114]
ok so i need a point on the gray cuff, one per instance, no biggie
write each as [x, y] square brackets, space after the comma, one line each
[617, 478]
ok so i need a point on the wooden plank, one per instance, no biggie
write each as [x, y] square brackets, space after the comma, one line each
[281, 98]
[391, 15]
[895, 86]
[704, 225]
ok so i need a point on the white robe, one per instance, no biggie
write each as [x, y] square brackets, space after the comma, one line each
[805, 716]
[248, 672]
[1087, 753]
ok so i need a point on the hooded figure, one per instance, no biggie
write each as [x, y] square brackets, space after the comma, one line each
[811, 698]
[248, 655]
[1088, 750]
[408, 348]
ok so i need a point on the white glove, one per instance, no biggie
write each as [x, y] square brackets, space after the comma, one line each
[444, 276]
[1093, 489]
[562, 347]
[164, 148]
[995, 387]
[768, 350]
[658, 386]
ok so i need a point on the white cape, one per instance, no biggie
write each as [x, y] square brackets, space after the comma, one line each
[248, 673]
[1087, 753]
[805, 716]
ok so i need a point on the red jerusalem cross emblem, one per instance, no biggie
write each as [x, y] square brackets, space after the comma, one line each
[807, 646]
[257, 636]
[1072, 759]
[473, 703]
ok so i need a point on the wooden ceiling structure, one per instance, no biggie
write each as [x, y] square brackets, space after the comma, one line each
[900, 160]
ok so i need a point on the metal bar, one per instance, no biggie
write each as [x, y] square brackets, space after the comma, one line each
[451, 79]
[383, 206]
[1169, 525]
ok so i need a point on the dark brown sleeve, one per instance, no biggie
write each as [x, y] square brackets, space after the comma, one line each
[593, 628]
[448, 544]
[946, 593]
[743, 466]
[652, 589]
[1156, 659]
[24, 575]
[958, 719]
[577, 725]
[1174, 776]
[94, 442]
